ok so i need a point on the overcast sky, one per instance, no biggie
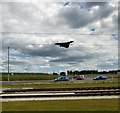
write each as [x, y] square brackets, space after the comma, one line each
[31, 29]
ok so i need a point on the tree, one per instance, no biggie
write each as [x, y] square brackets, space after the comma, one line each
[63, 73]
[55, 74]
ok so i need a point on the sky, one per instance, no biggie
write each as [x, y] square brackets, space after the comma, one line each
[31, 30]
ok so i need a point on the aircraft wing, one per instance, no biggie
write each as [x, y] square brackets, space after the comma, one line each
[58, 43]
[65, 44]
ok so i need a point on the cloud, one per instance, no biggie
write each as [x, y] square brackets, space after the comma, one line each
[93, 4]
[74, 17]
[45, 51]
[35, 28]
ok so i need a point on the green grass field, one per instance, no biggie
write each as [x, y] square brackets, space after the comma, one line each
[38, 83]
[62, 105]
[22, 77]
[61, 85]
[33, 76]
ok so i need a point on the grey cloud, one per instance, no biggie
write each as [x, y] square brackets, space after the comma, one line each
[21, 17]
[105, 11]
[106, 66]
[92, 4]
[75, 17]
[75, 59]
[45, 51]
[115, 18]
[119, 16]
[115, 23]
[25, 11]
[14, 62]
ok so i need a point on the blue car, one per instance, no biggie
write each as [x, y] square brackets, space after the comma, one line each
[62, 79]
[100, 77]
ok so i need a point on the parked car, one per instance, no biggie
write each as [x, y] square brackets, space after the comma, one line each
[79, 77]
[100, 77]
[61, 79]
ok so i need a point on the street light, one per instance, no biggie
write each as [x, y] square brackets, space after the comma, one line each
[8, 64]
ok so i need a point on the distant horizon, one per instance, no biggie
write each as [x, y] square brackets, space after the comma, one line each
[67, 70]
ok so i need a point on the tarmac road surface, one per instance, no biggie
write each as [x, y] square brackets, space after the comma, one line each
[27, 81]
[59, 98]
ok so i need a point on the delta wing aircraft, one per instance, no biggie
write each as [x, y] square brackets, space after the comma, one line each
[64, 44]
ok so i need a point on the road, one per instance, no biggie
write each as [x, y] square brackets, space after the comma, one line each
[56, 94]
[26, 82]
[88, 79]
[59, 98]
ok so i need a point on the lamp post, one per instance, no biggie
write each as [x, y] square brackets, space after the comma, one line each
[8, 64]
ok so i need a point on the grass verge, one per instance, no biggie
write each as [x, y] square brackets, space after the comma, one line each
[62, 105]
[61, 85]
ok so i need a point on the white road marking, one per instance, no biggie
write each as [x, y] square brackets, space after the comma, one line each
[32, 94]
[60, 98]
